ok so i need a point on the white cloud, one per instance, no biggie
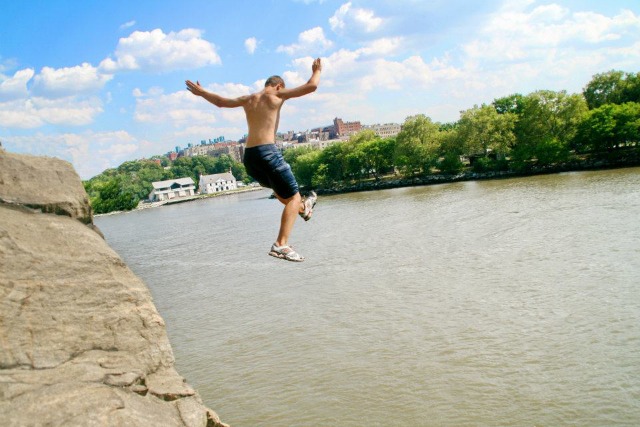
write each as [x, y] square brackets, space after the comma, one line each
[19, 114]
[7, 64]
[411, 73]
[352, 18]
[119, 150]
[382, 47]
[183, 108]
[153, 91]
[68, 111]
[177, 109]
[250, 45]
[37, 111]
[337, 20]
[312, 41]
[525, 47]
[128, 24]
[198, 132]
[230, 90]
[154, 51]
[16, 87]
[90, 152]
[521, 35]
[61, 82]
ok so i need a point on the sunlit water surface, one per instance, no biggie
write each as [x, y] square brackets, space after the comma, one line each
[511, 303]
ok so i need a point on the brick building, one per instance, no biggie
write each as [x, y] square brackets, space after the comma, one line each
[345, 129]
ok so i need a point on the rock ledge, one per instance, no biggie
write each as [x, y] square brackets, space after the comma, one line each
[82, 342]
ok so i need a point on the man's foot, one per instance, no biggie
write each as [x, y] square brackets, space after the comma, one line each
[308, 203]
[285, 252]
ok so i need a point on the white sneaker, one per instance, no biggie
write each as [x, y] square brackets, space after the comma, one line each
[309, 202]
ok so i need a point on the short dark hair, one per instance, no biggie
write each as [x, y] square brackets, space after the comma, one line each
[274, 81]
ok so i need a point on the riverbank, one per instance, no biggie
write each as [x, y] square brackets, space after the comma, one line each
[631, 159]
[149, 205]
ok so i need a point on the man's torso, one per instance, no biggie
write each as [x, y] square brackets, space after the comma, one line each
[263, 114]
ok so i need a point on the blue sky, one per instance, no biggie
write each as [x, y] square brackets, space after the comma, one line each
[97, 83]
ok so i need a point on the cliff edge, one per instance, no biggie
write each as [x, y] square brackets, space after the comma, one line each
[82, 342]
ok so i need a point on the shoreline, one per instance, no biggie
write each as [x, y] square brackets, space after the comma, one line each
[399, 182]
[152, 205]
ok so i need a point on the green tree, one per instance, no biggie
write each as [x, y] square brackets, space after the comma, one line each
[604, 88]
[610, 127]
[377, 155]
[612, 87]
[548, 123]
[110, 197]
[630, 91]
[358, 149]
[451, 149]
[417, 145]
[164, 161]
[182, 167]
[291, 154]
[305, 166]
[321, 177]
[509, 104]
[130, 166]
[138, 179]
[334, 157]
[484, 130]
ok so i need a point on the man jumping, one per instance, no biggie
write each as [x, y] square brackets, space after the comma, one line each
[262, 159]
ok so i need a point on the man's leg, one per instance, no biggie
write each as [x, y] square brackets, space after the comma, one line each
[292, 207]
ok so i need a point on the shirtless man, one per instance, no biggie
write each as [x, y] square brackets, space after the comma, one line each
[263, 160]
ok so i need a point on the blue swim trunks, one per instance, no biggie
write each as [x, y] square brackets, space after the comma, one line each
[265, 164]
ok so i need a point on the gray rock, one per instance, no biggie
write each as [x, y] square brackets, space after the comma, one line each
[82, 342]
[44, 183]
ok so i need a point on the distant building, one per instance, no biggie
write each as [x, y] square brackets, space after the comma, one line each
[316, 144]
[216, 183]
[172, 155]
[324, 143]
[346, 129]
[229, 148]
[171, 189]
[196, 150]
[215, 149]
[386, 130]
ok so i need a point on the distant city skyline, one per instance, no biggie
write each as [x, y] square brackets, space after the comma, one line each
[100, 83]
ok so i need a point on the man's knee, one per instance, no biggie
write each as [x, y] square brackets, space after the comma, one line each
[296, 197]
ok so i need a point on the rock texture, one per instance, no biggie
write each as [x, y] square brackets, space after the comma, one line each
[46, 183]
[82, 342]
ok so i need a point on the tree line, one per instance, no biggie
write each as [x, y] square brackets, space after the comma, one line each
[513, 133]
[122, 188]
[519, 133]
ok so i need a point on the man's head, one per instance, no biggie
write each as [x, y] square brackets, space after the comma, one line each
[274, 81]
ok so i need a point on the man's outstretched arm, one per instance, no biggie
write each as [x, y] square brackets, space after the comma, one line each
[215, 99]
[306, 88]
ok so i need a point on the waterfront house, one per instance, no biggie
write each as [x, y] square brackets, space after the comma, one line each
[215, 183]
[172, 188]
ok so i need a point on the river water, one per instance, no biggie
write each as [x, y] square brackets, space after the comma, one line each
[499, 303]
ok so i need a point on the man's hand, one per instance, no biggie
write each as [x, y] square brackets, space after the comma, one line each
[195, 88]
[317, 65]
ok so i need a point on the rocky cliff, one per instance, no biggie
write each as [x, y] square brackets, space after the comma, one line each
[82, 342]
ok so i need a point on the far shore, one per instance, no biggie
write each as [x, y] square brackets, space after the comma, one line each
[390, 182]
[149, 205]
[399, 182]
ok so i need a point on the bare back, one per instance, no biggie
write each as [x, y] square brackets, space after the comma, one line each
[263, 116]
[262, 108]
